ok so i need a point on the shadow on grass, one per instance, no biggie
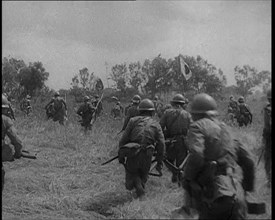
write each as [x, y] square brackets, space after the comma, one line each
[103, 202]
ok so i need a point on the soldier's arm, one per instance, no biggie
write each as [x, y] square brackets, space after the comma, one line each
[127, 119]
[49, 104]
[65, 105]
[15, 140]
[195, 142]
[125, 138]
[163, 120]
[79, 111]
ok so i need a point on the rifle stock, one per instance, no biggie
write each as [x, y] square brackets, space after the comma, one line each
[109, 161]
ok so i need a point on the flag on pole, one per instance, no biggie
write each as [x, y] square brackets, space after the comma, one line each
[184, 68]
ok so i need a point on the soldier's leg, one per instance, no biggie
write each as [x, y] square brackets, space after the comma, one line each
[181, 153]
[129, 180]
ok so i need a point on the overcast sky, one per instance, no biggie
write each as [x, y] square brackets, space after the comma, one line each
[68, 35]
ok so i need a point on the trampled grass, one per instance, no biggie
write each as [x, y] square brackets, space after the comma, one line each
[67, 181]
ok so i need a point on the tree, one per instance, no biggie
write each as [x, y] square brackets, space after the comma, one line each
[137, 77]
[33, 77]
[119, 76]
[248, 77]
[10, 81]
[84, 77]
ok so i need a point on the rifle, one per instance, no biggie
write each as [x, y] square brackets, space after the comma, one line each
[109, 161]
[96, 109]
[26, 154]
[260, 157]
[159, 174]
[119, 132]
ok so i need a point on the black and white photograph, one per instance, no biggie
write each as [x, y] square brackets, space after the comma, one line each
[136, 110]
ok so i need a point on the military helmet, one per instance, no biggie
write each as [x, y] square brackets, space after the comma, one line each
[56, 94]
[203, 103]
[179, 98]
[146, 105]
[268, 94]
[28, 96]
[96, 96]
[5, 102]
[86, 98]
[156, 97]
[136, 99]
[241, 99]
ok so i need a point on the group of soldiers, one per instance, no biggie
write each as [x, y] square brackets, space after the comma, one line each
[196, 141]
[240, 111]
[218, 169]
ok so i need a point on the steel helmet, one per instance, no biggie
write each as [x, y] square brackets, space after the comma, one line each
[136, 99]
[86, 98]
[28, 96]
[268, 94]
[241, 99]
[156, 97]
[5, 102]
[146, 105]
[179, 98]
[204, 103]
[56, 94]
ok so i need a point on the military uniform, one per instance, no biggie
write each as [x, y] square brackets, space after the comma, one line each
[58, 109]
[9, 130]
[86, 111]
[244, 116]
[142, 136]
[267, 140]
[26, 106]
[212, 175]
[132, 112]
[176, 121]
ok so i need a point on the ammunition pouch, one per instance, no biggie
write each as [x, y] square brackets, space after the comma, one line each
[133, 149]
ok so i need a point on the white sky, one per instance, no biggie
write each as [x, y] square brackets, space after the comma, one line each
[69, 35]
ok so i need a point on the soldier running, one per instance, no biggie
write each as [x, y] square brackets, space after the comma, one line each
[9, 130]
[244, 116]
[132, 111]
[142, 137]
[86, 111]
[212, 175]
[58, 109]
[175, 123]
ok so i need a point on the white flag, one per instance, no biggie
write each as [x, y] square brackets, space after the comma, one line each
[184, 68]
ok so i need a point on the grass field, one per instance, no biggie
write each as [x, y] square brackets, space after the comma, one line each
[67, 181]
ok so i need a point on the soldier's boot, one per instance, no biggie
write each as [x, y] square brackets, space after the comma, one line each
[139, 188]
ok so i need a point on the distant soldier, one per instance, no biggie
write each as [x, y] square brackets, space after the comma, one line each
[132, 111]
[127, 108]
[11, 111]
[213, 176]
[58, 109]
[175, 123]
[117, 110]
[9, 130]
[244, 116]
[142, 137]
[158, 106]
[86, 111]
[25, 105]
[267, 137]
[97, 103]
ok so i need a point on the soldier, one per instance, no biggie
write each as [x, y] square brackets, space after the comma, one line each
[127, 108]
[11, 112]
[86, 111]
[25, 105]
[98, 105]
[9, 130]
[142, 136]
[58, 108]
[132, 111]
[158, 106]
[212, 175]
[267, 138]
[245, 116]
[117, 110]
[175, 123]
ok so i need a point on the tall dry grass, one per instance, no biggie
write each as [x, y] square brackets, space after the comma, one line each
[67, 181]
